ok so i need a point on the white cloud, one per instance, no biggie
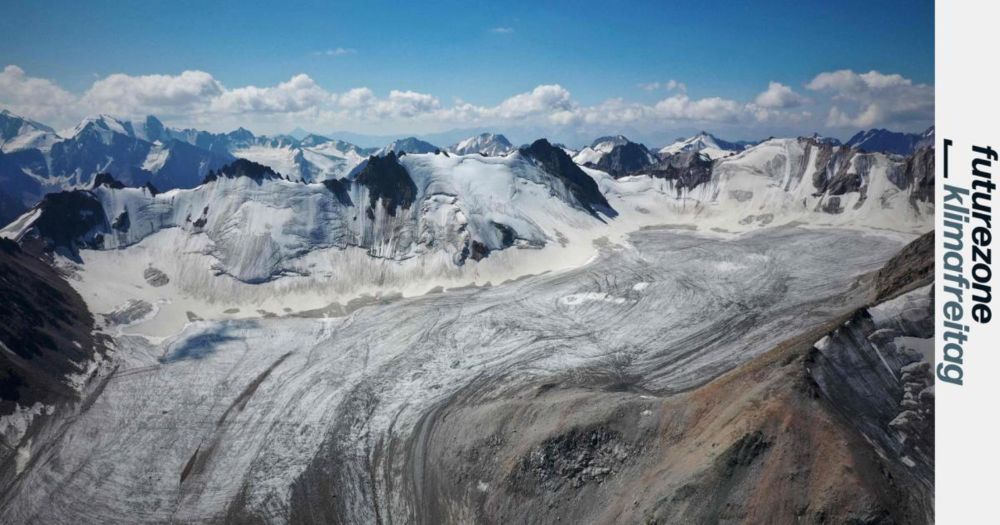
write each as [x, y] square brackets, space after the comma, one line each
[139, 95]
[669, 85]
[406, 104]
[778, 96]
[35, 97]
[357, 98]
[874, 99]
[297, 94]
[841, 100]
[711, 109]
[336, 52]
[542, 99]
[502, 30]
[847, 81]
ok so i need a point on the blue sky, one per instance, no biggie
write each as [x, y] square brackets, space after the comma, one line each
[480, 54]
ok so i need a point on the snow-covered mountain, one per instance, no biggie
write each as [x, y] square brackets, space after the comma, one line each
[706, 144]
[489, 144]
[313, 159]
[833, 141]
[248, 223]
[18, 190]
[615, 155]
[148, 151]
[72, 158]
[891, 141]
[18, 133]
[407, 145]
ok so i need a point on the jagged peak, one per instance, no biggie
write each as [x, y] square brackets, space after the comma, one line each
[243, 168]
[106, 179]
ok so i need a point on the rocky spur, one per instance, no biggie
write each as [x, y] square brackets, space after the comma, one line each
[967, 213]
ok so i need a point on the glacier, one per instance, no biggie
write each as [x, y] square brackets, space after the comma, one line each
[285, 346]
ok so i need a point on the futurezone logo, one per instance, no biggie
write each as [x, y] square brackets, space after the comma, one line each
[967, 214]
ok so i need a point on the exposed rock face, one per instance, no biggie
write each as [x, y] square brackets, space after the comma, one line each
[557, 163]
[341, 188]
[912, 267]
[45, 330]
[688, 169]
[919, 172]
[70, 220]
[243, 168]
[875, 371]
[105, 179]
[617, 156]
[388, 181]
[624, 159]
[834, 173]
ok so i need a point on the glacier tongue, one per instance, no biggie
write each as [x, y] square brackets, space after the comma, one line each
[232, 417]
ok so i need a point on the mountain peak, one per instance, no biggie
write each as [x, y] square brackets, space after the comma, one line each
[610, 141]
[313, 139]
[106, 179]
[408, 145]
[557, 163]
[243, 168]
[706, 143]
[489, 144]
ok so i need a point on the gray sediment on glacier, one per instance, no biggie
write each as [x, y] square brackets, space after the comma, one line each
[674, 378]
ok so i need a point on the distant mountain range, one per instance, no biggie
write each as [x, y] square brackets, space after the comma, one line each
[35, 159]
[891, 141]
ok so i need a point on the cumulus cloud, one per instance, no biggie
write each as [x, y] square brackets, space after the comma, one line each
[542, 99]
[779, 96]
[297, 94]
[874, 99]
[711, 109]
[842, 99]
[35, 97]
[406, 104]
[137, 95]
[502, 30]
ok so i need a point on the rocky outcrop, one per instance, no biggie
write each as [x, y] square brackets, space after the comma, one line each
[388, 181]
[70, 220]
[557, 163]
[687, 169]
[911, 268]
[243, 168]
[105, 179]
[46, 331]
[919, 173]
[625, 159]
